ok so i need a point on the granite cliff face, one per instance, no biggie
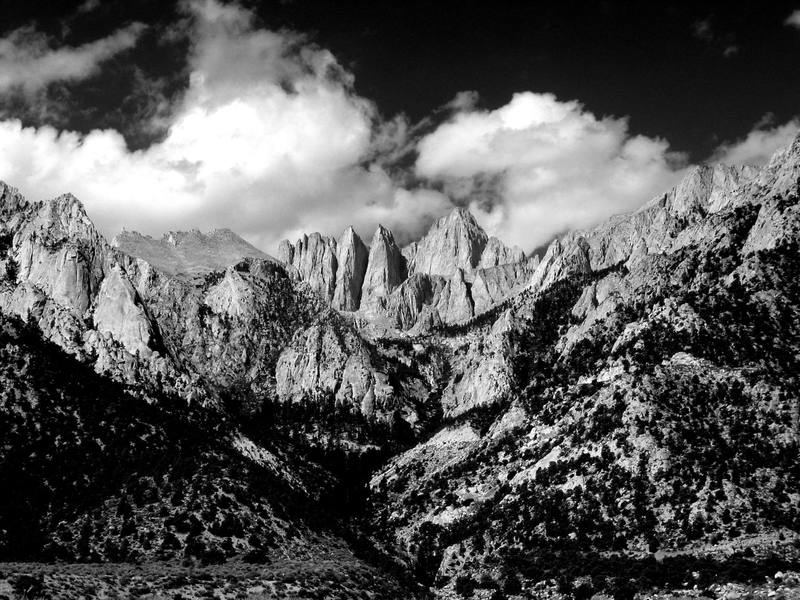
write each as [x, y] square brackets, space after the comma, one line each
[452, 274]
[386, 268]
[314, 259]
[454, 242]
[240, 334]
[65, 276]
[148, 326]
[683, 217]
[351, 266]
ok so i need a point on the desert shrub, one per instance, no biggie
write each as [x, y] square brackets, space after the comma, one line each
[464, 585]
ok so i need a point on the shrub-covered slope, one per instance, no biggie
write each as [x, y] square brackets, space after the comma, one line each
[653, 411]
[90, 473]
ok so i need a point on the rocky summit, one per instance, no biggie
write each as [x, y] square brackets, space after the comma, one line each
[452, 418]
[452, 274]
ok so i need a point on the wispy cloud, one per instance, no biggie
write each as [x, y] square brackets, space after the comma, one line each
[724, 43]
[29, 62]
[88, 6]
[703, 30]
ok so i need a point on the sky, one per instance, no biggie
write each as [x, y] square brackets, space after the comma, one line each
[278, 118]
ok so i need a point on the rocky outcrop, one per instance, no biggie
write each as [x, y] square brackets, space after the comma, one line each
[778, 222]
[781, 176]
[496, 254]
[119, 312]
[58, 251]
[232, 296]
[409, 300]
[562, 259]
[667, 223]
[386, 268]
[706, 189]
[493, 285]
[189, 253]
[285, 252]
[454, 242]
[314, 259]
[230, 330]
[351, 268]
[54, 263]
[431, 279]
[324, 360]
[76, 289]
[455, 304]
[483, 373]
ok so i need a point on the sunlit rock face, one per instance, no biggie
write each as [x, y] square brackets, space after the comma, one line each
[683, 217]
[313, 258]
[119, 312]
[324, 360]
[455, 241]
[493, 285]
[190, 333]
[59, 252]
[496, 254]
[386, 268]
[351, 266]
[428, 281]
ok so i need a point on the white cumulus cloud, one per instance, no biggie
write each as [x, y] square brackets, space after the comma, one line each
[793, 20]
[268, 140]
[539, 166]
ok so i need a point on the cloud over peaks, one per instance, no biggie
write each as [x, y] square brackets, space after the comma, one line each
[759, 144]
[268, 139]
[539, 166]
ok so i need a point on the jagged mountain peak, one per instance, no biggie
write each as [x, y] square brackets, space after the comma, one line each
[386, 266]
[177, 238]
[439, 271]
[7, 191]
[383, 233]
[496, 254]
[674, 220]
[349, 232]
[455, 241]
[12, 203]
[351, 266]
[460, 214]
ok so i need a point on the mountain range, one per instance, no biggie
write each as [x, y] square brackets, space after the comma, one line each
[450, 418]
